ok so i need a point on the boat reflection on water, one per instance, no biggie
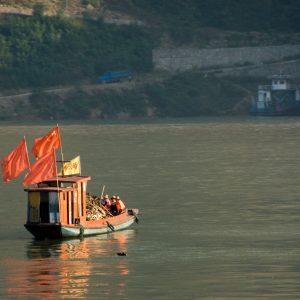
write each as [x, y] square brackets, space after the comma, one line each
[70, 268]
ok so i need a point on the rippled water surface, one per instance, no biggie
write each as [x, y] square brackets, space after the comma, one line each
[220, 213]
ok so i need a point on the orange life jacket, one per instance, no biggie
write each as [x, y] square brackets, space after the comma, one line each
[120, 205]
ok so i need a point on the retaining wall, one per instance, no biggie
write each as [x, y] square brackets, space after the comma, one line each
[183, 59]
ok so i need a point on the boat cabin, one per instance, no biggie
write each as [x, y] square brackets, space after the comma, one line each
[280, 82]
[59, 200]
[281, 97]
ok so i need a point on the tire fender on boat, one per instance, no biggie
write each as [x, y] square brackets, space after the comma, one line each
[81, 230]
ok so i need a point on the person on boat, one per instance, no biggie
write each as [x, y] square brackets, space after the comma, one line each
[106, 202]
[113, 207]
[120, 205]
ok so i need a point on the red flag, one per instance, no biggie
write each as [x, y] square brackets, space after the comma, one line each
[43, 145]
[15, 162]
[42, 169]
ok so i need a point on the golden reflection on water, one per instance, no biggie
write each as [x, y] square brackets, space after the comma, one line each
[67, 269]
[221, 214]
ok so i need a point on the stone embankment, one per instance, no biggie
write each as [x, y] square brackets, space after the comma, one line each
[231, 61]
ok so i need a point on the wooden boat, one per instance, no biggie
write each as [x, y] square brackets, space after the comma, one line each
[58, 208]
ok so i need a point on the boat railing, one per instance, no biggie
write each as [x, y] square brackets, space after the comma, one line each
[270, 87]
[292, 86]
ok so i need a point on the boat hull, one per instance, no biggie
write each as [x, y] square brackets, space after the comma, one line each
[43, 231]
[70, 231]
[88, 228]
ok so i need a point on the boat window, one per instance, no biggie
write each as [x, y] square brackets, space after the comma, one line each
[82, 195]
[33, 207]
[70, 207]
[53, 207]
[44, 207]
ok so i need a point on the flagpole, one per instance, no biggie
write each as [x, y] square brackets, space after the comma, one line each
[79, 165]
[56, 174]
[28, 161]
[61, 152]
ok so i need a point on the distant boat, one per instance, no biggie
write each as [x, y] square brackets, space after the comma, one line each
[281, 98]
[61, 208]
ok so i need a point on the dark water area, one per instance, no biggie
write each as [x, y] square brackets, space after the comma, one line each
[219, 213]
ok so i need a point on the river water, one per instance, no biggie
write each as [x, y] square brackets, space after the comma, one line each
[219, 204]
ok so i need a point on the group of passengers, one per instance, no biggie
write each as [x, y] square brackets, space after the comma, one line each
[114, 204]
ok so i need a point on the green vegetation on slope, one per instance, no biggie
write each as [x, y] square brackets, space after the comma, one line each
[190, 94]
[193, 94]
[44, 51]
[219, 23]
[239, 15]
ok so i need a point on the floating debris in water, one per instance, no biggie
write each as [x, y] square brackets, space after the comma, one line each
[121, 253]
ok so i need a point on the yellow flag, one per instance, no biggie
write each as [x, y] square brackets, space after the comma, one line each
[72, 167]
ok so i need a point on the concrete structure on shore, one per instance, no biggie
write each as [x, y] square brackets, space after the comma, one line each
[232, 61]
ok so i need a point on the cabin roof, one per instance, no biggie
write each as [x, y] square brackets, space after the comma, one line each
[60, 179]
[71, 179]
[281, 76]
[49, 189]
